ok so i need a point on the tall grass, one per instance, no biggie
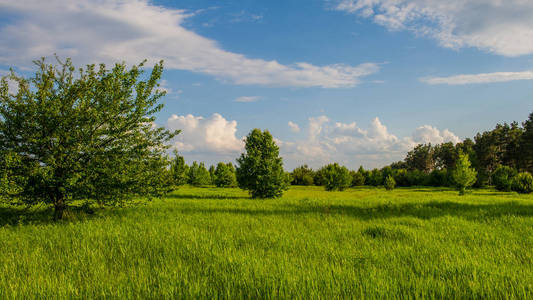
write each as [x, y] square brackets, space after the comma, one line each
[218, 243]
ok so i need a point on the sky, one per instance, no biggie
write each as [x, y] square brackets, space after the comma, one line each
[359, 82]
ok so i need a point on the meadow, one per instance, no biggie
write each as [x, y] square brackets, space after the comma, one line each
[219, 243]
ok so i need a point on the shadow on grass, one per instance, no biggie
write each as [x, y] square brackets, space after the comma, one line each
[422, 211]
[16, 215]
[207, 196]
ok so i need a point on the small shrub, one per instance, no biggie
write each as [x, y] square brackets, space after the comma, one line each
[390, 184]
[523, 183]
[464, 176]
[503, 178]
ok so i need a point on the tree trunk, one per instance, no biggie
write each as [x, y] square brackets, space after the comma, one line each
[59, 207]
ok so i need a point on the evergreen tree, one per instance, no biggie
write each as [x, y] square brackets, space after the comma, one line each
[526, 145]
[260, 169]
[224, 177]
[389, 183]
[463, 175]
[179, 170]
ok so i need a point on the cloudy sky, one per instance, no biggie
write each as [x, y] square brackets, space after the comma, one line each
[354, 81]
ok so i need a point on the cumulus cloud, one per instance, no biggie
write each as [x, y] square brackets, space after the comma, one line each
[294, 127]
[214, 135]
[246, 99]
[93, 31]
[497, 26]
[479, 78]
[351, 145]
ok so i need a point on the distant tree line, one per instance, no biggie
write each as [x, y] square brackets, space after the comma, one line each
[502, 157]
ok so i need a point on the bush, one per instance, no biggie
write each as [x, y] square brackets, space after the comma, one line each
[400, 176]
[198, 175]
[389, 183]
[438, 178]
[302, 175]
[523, 183]
[503, 178]
[336, 177]
[417, 178]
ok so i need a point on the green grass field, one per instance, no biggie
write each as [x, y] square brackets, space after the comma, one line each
[218, 243]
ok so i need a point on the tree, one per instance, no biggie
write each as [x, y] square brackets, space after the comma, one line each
[198, 175]
[302, 175]
[336, 177]
[463, 175]
[85, 135]
[179, 170]
[224, 177]
[358, 179]
[389, 184]
[260, 169]
[212, 174]
[421, 158]
[445, 156]
[526, 145]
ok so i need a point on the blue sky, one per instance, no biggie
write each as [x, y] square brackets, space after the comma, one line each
[354, 81]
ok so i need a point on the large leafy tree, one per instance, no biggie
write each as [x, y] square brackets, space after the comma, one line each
[85, 134]
[260, 169]
[421, 158]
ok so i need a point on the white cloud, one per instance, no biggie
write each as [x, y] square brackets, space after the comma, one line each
[11, 84]
[351, 145]
[428, 134]
[214, 139]
[479, 78]
[214, 135]
[247, 99]
[503, 27]
[294, 127]
[116, 30]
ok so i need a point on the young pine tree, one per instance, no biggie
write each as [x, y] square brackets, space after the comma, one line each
[463, 175]
[260, 169]
[389, 183]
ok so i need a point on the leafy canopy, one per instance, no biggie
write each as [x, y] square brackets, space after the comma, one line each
[84, 135]
[260, 169]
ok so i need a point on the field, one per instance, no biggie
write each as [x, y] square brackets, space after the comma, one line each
[218, 243]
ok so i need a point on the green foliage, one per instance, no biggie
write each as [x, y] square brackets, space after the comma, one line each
[439, 178]
[224, 176]
[358, 179]
[375, 178]
[336, 177]
[463, 175]
[523, 183]
[526, 145]
[260, 169]
[212, 170]
[179, 170]
[198, 175]
[11, 182]
[401, 177]
[85, 135]
[421, 158]
[302, 175]
[389, 183]
[503, 178]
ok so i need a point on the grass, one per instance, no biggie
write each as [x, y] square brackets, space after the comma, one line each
[218, 243]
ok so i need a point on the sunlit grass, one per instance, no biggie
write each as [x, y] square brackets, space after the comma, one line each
[208, 242]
